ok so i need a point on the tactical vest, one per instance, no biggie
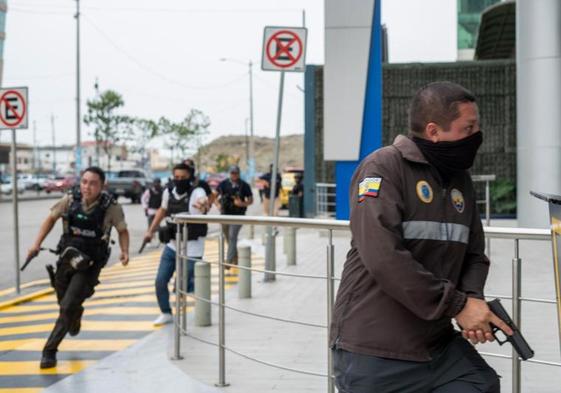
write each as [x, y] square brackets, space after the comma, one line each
[155, 200]
[181, 205]
[85, 230]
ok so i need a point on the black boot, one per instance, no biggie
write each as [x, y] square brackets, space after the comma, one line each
[76, 325]
[48, 360]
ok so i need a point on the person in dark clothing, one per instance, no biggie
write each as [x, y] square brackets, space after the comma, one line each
[88, 214]
[298, 188]
[265, 182]
[152, 199]
[234, 196]
[417, 260]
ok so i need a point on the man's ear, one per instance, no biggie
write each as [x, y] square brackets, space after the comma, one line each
[431, 132]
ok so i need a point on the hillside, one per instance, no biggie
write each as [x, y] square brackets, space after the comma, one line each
[231, 149]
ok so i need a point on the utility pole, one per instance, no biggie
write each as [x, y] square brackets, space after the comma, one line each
[34, 160]
[251, 160]
[54, 143]
[78, 115]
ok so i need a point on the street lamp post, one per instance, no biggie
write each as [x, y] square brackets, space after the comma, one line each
[78, 165]
[251, 159]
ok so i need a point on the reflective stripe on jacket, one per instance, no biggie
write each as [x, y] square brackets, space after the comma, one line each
[417, 251]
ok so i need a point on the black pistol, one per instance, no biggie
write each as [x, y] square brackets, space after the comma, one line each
[144, 243]
[517, 339]
[27, 261]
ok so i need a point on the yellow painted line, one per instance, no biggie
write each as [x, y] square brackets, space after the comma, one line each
[37, 344]
[128, 284]
[131, 276]
[32, 367]
[126, 273]
[23, 299]
[24, 286]
[96, 311]
[115, 292]
[89, 326]
[21, 390]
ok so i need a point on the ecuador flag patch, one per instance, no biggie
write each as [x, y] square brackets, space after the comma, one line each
[369, 187]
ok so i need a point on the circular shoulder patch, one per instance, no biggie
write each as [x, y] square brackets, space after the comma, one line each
[458, 200]
[424, 191]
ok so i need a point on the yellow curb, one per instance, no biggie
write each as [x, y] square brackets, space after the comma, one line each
[26, 298]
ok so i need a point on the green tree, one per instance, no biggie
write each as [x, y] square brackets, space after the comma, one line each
[183, 136]
[109, 127]
[139, 133]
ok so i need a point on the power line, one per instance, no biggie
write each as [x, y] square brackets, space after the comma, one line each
[154, 72]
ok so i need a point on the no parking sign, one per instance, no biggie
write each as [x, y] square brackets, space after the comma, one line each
[284, 49]
[13, 108]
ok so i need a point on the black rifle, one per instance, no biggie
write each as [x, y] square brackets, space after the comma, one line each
[517, 339]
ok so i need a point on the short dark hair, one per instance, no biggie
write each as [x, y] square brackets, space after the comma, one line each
[183, 167]
[437, 102]
[98, 171]
[190, 162]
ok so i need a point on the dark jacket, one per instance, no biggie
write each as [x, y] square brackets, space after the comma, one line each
[416, 253]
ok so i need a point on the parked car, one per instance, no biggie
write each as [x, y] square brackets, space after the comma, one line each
[287, 182]
[129, 183]
[59, 184]
[6, 186]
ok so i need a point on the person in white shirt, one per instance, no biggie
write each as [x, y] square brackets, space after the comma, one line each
[181, 198]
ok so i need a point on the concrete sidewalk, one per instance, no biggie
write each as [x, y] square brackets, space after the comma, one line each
[304, 347]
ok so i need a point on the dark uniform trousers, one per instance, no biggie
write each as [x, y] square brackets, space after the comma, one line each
[72, 289]
[458, 368]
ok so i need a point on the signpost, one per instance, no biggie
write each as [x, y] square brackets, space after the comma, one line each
[13, 116]
[284, 50]
[555, 220]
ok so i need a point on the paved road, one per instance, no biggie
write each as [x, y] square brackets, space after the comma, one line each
[32, 213]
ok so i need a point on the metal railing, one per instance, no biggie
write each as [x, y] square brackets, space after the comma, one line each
[515, 234]
[487, 179]
[325, 199]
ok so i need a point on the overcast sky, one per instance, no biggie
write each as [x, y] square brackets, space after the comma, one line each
[163, 57]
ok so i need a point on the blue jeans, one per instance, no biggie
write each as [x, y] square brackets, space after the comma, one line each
[165, 273]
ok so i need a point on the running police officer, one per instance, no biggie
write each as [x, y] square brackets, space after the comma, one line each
[416, 260]
[88, 213]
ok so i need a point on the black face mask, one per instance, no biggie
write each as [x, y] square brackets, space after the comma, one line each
[182, 186]
[450, 158]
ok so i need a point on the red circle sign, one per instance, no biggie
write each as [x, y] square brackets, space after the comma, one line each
[9, 108]
[284, 43]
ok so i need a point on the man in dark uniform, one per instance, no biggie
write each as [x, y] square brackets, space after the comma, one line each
[265, 182]
[88, 215]
[234, 196]
[416, 260]
[152, 199]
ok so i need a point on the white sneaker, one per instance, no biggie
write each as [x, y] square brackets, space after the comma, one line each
[163, 319]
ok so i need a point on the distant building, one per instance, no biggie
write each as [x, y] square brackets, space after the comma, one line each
[469, 17]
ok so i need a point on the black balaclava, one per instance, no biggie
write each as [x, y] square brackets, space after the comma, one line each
[450, 158]
[182, 186]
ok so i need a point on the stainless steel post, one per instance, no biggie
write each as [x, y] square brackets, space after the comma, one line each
[330, 301]
[183, 277]
[290, 242]
[15, 208]
[244, 284]
[221, 315]
[202, 290]
[270, 262]
[488, 214]
[176, 330]
[516, 305]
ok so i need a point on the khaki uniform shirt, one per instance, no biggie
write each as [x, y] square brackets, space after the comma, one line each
[114, 216]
